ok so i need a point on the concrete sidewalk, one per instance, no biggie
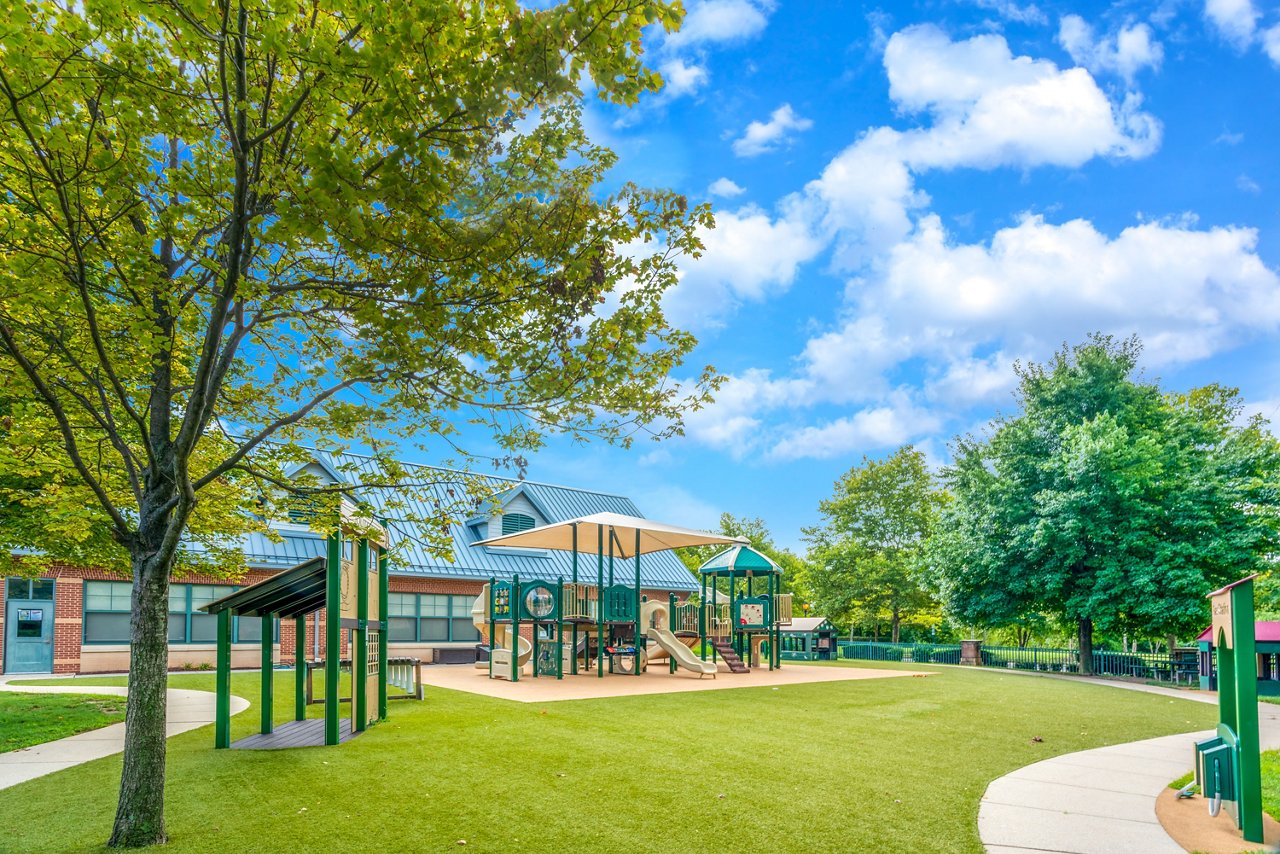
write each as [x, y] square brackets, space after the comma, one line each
[1100, 801]
[187, 710]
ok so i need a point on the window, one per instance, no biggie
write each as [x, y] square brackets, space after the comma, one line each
[30, 622]
[29, 588]
[430, 618]
[107, 607]
[514, 523]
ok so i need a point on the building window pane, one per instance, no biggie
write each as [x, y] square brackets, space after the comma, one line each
[513, 523]
[434, 605]
[107, 595]
[204, 628]
[465, 630]
[402, 605]
[203, 594]
[177, 628]
[435, 629]
[106, 627]
[248, 629]
[461, 605]
[16, 588]
[400, 629]
[30, 622]
[42, 588]
[178, 598]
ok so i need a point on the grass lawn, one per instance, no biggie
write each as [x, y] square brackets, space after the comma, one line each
[30, 719]
[893, 765]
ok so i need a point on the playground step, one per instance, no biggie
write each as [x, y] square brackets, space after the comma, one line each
[730, 657]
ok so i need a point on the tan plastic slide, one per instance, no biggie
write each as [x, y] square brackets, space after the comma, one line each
[500, 644]
[653, 616]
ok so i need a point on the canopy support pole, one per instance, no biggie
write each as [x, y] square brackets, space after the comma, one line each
[300, 667]
[222, 711]
[268, 677]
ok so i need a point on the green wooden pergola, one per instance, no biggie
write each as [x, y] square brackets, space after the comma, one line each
[350, 584]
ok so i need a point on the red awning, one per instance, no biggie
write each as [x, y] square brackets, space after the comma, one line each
[1267, 631]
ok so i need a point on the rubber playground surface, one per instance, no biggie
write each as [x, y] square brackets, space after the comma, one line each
[588, 686]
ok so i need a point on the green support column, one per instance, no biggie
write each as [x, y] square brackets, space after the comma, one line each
[360, 649]
[222, 710]
[332, 639]
[702, 620]
[639, 637]
[299, 668]
[384, 586]
[600, 601]
[493, 624]
[1246, 708]
[268, 676]
[515, 629]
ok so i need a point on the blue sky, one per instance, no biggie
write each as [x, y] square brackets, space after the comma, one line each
[910, 198]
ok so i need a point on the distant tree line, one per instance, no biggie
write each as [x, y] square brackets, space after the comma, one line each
[1104, 509]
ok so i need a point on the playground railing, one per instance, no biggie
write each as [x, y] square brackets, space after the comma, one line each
[782, 608]
[717, 620]
[685, 618]
[580, 602]
[1158, 666]
[402, 673]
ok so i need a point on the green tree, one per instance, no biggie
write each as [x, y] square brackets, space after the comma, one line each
[864, 559]
[1106, 504]
[229, 229]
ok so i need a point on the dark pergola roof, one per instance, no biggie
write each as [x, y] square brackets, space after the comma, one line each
[292, 593]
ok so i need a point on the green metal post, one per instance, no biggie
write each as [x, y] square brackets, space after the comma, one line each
[384, 577]
[599, 601]
[515, 629]
[222, 710]
[702, 619]
[493, 623]
[560, 628]
[332, 639]
[360, 649]
[1246, 661]
[573, 665]
[639, 638]
[299, 668]
[268, 677]
[671, 627]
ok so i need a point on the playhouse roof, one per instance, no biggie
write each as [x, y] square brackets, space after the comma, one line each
[292, 593]
[1266, 631]
[739, 560]
[808, 624]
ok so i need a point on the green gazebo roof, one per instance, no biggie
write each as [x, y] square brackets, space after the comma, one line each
[739, 561]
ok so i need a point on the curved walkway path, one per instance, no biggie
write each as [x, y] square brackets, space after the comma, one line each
[1100, 801]
[187, 710]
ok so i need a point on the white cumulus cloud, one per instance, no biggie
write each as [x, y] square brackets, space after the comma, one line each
[1125, 52]
[762, 137]
[725, 188]
[714, 21]
[1235, 20]
[682, 78]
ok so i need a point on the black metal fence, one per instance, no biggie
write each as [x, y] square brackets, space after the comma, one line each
[1159, 666]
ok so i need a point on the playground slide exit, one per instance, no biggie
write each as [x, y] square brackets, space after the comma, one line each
[684, 656]
[500, 646]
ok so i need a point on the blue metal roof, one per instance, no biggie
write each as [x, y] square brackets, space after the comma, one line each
[410, 555]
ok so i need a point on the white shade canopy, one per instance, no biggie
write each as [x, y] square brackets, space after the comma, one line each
[598, 528]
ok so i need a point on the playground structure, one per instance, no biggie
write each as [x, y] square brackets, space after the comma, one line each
[610, 626]
[350, 584]
[748, 624]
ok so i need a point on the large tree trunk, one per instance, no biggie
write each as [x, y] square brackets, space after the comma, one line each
[140, 810]
[1086, 646]
[1172, 640]
[897, 626]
